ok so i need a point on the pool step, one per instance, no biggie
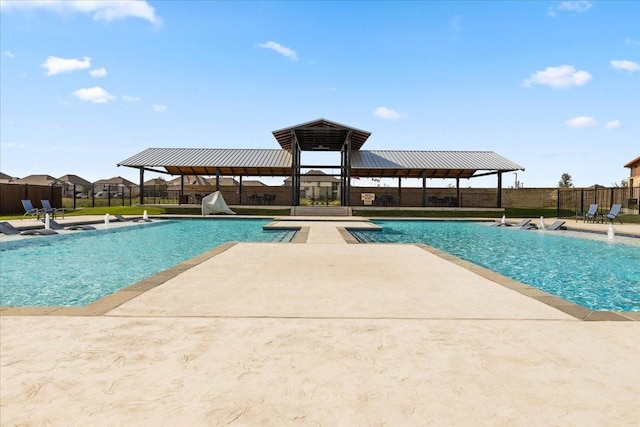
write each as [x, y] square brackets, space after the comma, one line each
[321, 211]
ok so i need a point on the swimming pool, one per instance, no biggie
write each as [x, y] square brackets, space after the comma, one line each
[77, 268]
[584, 268]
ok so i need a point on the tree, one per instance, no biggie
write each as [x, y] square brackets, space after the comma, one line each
[623, 184]
[565, 181]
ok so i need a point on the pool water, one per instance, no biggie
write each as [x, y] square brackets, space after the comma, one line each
[74, 269]
[591, 271]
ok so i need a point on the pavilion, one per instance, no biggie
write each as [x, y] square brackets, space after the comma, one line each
[323, 135]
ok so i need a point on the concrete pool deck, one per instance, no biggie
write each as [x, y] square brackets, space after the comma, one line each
[316, 333]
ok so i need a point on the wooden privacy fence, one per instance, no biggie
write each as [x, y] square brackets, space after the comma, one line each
[11, 196]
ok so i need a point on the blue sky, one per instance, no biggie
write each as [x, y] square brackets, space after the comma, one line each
[551, 85]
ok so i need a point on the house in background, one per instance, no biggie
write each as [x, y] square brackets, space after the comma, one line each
[315, 185]
[44, 180]
[253, 183]
[73, 184]
[634, 172]
[201, 180]
[115, 187]
[5, 179]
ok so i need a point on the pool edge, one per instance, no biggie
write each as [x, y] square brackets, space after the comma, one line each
[567, 307]
[109, 302]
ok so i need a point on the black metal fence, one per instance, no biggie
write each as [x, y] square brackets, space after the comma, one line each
[109, 195]
[574, 201]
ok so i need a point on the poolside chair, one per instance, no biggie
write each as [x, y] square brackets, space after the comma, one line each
[46, 205]
[8, 229]
[557, 225]
[590, 215]
[55, 225]
[123, 219]
[613, 213]
[521, 224]
[30, 210]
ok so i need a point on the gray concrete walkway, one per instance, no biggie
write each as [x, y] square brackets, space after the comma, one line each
[321, 333]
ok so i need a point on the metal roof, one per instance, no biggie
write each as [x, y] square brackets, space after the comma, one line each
[379, 163]
[320, 135]
[435, 164]
[209, 161]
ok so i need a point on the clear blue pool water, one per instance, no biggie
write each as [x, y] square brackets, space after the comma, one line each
[78, 268]
[592, 271]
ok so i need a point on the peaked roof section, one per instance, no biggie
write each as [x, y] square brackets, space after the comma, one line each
[38, 180]
[116, 180]
[209, 161]
[74, 179]
[632, 163]
[435, 164]
[320, 135]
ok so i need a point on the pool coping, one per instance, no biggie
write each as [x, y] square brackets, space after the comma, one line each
[109, 302]
[568, 307]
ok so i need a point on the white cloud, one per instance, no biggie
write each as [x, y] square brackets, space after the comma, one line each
[8, 54]
[282, 50]
[631, 42]
[560, 77]
[98, 72]
[106, 10]
[127, 98]
[386, 113]
[581, 122]
[570, 6]
[55, 65]
[614, 124]
[96, 95]
[623, 64]
[158, 108]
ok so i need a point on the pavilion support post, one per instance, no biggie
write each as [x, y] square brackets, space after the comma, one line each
[499, 198]
[217, 179]
[343, 180]
[424, 188]
[347, 173]
[295, 172]
[141, 189]
[399, 191]
[458, 202]
[181, 186]
[240, 191]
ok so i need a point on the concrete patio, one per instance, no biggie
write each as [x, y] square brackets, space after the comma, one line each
[320, 332]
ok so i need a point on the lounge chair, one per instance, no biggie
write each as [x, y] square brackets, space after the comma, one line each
[590, 215]
[123, 219]
[613, 213]
[8, 229]
[523, 223]
[557, 225]
[46, 205]
[30, 210]
[55, 225]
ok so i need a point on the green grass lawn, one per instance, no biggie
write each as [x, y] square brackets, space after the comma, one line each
[390, 213]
